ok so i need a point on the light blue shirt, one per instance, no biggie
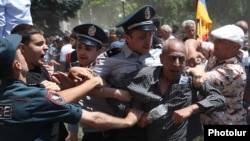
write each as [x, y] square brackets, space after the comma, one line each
[125, 62]
[12, 13]
[117, 44]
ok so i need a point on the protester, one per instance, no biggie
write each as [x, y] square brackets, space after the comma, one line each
[225, 72]
[245, 60]
[166, 32]
[244, 26]
[31, 110]
[169, 88]
[35, 49]
[189, 28]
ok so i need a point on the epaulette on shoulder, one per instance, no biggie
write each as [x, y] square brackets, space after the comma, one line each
[113, 51]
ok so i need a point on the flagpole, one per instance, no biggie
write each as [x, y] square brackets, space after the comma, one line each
[201, 29]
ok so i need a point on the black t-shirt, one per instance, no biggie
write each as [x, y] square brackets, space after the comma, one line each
[37, 75]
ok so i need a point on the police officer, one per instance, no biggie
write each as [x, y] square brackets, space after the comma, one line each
[136, 53]
[27, 112]
[90, 38]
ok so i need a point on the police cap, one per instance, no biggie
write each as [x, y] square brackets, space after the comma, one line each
[91, 34]
[139, 20]
[8, 48]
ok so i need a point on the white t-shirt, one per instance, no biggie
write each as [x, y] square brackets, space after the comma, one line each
[64, 51]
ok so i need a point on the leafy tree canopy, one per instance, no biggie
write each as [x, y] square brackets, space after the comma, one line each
[48, 13]
[106, 13]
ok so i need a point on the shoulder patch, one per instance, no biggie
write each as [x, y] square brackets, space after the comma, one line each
[55, 98]
[112, 52]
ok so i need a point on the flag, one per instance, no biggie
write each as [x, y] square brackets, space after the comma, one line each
[204, 23]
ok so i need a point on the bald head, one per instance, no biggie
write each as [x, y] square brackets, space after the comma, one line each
[243, 25]
[174, 45]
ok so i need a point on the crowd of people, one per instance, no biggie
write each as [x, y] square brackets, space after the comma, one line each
[138, 82]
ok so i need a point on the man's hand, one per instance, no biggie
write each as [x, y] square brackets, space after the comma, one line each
[194, 55]
[181, 115]
[99, 80]
[63, 80]
[133, 116]
[144, 121]
[50, 85]
[199, 75]
[195, 58]
[248, 110]
[51, 67]
[184, 113]
[80, 74]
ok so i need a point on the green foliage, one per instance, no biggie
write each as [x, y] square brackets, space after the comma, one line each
[106, 13]
[48, 13]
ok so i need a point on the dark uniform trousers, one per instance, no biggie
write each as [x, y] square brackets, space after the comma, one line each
[135, 133]
[109, 135]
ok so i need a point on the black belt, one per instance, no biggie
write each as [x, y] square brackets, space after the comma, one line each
[100, 134]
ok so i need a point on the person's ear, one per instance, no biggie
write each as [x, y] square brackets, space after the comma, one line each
[22, 47]
[17, 65]
[127, 37]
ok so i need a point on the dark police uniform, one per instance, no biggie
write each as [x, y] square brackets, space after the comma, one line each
[34, 77]
[30, 111]
[118, 62]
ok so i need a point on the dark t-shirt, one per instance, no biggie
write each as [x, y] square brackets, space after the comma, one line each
[37, 75]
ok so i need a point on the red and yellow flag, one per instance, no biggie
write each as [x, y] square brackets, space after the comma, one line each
[204, 23]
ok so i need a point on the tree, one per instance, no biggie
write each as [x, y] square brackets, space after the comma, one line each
[48, 13]
[106, 13]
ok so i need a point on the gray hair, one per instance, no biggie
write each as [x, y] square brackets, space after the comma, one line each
[187, 22]
[166, 28]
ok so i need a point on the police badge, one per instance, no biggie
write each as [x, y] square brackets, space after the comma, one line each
[92, 30]
[147, 13]
[55, 98]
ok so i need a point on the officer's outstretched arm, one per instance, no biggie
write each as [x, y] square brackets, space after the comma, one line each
[104, 121]
[74, 94]
[108, 92]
